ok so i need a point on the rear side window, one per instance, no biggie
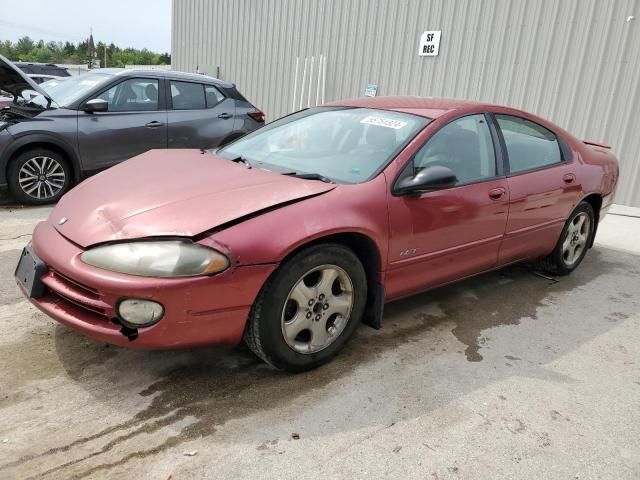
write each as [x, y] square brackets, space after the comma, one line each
[529, 145]
[213, 96]
[187, 96]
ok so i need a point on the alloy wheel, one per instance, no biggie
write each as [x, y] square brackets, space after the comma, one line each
[41, 177]
[575, 241]
[317, 309]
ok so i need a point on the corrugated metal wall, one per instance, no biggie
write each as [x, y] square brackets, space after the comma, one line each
[575, 62]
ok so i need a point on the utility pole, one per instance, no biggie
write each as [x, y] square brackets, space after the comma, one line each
[105, 55]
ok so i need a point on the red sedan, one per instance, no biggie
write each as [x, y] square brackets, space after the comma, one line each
[292, 235]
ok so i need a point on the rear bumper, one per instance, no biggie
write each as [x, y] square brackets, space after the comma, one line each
[198, 311]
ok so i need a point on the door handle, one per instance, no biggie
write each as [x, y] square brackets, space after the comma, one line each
[224, 115]
[153, 124]
[568, 178]
[497, 193]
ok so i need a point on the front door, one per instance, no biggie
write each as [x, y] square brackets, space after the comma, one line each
[447, 234]
[134, 123]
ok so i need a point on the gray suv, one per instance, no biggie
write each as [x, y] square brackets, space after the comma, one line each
[55, 134]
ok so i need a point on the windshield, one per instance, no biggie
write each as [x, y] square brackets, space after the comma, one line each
[346, 145]
[67, 91]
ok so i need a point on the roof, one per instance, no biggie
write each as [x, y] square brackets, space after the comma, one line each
[196, 77]
[430, 107]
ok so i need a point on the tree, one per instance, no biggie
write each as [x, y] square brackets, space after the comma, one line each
[7, 49]
[69, 49]
[24, 46]
[26, 49]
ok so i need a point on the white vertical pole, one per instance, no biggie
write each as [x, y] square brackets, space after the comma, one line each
[319, 78]
[302, 85]
[295, 84]
[313, 61]
[324, 75]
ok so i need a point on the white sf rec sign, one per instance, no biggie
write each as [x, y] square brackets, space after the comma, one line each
[429, 43]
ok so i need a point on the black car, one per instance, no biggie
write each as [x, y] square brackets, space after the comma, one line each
[42, 72]
[55, 134]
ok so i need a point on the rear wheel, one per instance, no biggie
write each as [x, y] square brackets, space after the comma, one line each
[39, 176]
[309, 308]
[574, 242]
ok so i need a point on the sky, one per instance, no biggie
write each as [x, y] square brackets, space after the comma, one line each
[127, 23]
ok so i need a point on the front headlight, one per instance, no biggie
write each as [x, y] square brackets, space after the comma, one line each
[161, 258]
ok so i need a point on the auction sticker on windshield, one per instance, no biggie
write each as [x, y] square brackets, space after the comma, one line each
[383, 122]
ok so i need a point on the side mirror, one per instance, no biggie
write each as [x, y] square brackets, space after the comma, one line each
[96, 105]
[431, 178]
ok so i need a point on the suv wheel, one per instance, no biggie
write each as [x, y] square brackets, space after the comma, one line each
[39, 176]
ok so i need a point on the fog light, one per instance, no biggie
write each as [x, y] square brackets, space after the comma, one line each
[140, 313]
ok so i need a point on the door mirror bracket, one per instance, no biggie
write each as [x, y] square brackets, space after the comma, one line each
[431, 178]
[96, 105]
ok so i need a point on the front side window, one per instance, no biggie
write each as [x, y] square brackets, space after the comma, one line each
[346, 145]
[133, 95]
[187, 96]
[464, 146]
[529, 145]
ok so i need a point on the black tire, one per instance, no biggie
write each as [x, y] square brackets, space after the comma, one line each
[23, 195]
[264, 333]
[556, 262]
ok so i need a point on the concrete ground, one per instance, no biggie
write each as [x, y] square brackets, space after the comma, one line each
[508, 375]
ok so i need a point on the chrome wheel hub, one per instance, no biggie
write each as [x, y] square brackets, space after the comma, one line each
[575, 241]
[41, 177]
[317, 309]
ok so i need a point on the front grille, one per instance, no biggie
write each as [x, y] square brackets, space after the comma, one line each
[70, 291]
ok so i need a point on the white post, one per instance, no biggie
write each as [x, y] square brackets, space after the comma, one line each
[295, 84]
[319, 78]
[313, 61]
[302, 85]
[324, 76]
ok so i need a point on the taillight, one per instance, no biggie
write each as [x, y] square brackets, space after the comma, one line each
[257, 115]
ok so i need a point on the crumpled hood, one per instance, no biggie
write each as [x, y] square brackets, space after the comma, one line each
[171, 193]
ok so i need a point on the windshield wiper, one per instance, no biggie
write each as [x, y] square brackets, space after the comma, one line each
[309, 176]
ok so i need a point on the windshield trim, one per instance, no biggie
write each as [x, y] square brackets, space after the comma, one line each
[425, 121]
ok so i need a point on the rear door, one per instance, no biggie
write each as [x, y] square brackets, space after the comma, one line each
[447, 234]
[543, 185]
[135, 122]
[201, 116]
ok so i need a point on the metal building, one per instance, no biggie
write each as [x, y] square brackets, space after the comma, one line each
[575, 62]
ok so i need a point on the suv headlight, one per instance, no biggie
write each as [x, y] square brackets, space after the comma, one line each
[161, 258]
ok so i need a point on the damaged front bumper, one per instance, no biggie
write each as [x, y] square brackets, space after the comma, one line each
[197, 311]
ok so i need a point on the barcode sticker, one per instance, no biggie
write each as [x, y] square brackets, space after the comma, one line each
[384, 122]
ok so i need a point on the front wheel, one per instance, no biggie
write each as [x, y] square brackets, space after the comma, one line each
[574, 242]
[309, 308]
[39, 176]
